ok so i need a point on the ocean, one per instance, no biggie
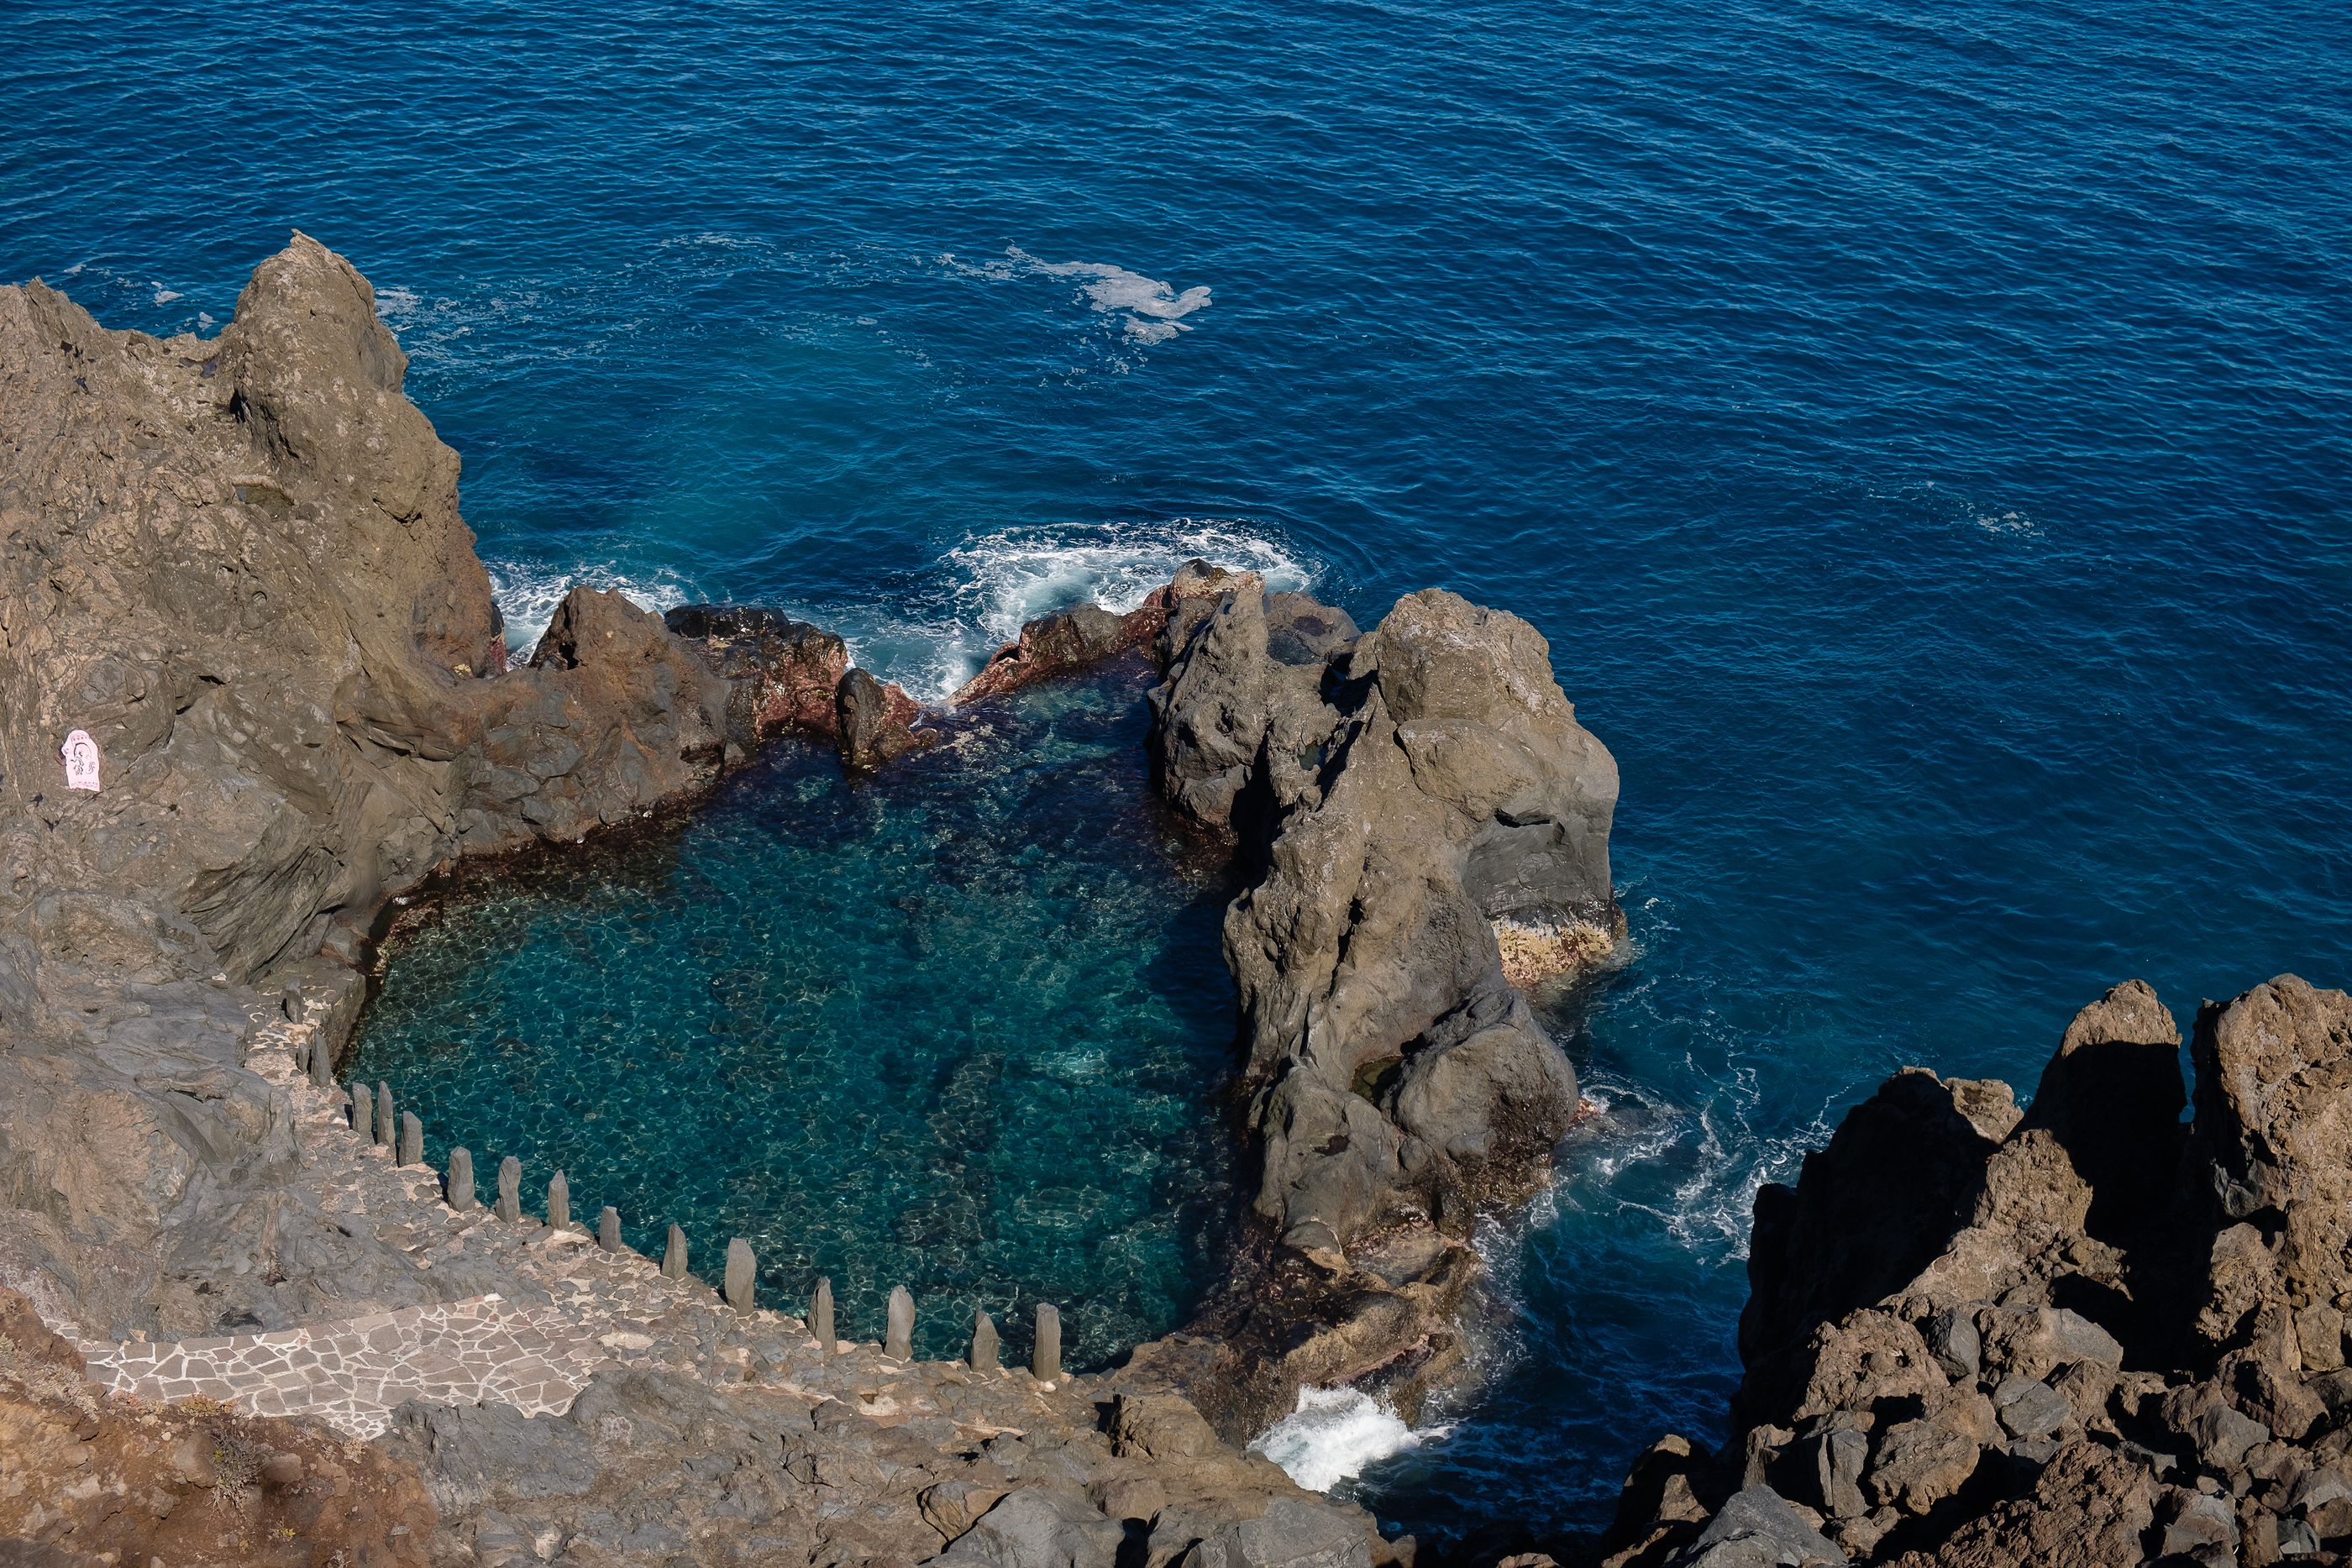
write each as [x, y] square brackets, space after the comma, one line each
[1920, 432]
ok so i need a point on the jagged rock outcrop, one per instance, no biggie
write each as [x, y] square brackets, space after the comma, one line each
[1066, 641]
[2083, 1334]
[1395, 793]
[237, 566]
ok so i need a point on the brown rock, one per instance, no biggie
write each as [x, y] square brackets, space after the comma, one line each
[100, 1481]
[872, 720]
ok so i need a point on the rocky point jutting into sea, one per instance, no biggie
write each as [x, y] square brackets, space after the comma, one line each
[243, 1323]
[239, 571]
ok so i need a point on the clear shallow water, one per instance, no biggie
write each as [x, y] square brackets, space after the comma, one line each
[1921, 433]
[962, 1028]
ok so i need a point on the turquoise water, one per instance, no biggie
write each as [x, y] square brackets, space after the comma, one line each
[963, 1027]
[1921, 433]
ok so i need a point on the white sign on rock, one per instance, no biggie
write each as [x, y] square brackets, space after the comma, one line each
[81, 753]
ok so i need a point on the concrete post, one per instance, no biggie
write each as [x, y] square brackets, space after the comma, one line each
[384, 1123]
[1045, 1360]
[820, 1320]
[901, 1341]
[674, 1255]
[608, 1229]
[559, 1202]
[363, 1105]
[412, 1139]
[461, 1179]
[509, 1188]
[984, 1343]
[740, 1274]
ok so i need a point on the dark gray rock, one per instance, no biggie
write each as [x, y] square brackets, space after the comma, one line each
[1953, 1341]
[1401, 791]
[2030, 1409]
[1759, 1529]
[1040, 1527]
[1291, 1533]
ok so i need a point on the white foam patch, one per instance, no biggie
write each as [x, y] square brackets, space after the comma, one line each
[1149, 311]
[165, 295]
[528, 593]
[1003, 579]
[1332, 1436]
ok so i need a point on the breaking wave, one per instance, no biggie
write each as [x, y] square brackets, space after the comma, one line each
[526, 593]
[987, 588]
[1332, 1436]
[995, 582]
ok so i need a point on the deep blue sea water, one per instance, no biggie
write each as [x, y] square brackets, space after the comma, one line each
[1921, 431]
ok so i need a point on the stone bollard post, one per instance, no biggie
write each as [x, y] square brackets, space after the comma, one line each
[984, 1343]
[674, 1255]
[559, 1202]
[900, 1343]
[412, 1139]
[363, 1103]
[1045, 1360]
[384, 1123]
[820, 1320]
[323, 1065]
[608, 1229]
[740, 1274]
[461, 1179]
[509, 1188]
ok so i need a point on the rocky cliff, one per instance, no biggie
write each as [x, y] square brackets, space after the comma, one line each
[2080, 1334]
[1398, 802]
[237, 567]
[254, 689]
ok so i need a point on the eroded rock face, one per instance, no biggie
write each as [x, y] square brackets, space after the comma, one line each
[647, 1466]
[2079, 1336]
[1396, 792]
[238, 566]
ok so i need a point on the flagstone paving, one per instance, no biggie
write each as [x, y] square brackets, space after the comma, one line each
[570, 1308]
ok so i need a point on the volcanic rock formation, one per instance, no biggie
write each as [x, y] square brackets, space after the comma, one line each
[2078, 1335]
[1391, 796]
[237, 566]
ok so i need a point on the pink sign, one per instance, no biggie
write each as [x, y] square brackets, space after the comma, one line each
[81, 761]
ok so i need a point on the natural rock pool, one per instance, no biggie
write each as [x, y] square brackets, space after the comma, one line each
[965, 1026]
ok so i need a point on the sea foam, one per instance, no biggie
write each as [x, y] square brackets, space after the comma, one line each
[1332, 1436]
[1150, 311]
[526, 593]
[1003, 579]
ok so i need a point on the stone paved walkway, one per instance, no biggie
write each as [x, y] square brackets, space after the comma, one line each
[541, 1311]
[354, 1373]
[565, 1310]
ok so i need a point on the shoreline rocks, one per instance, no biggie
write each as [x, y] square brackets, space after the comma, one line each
[2080, 1334]
[237, 565]
[1398, 792]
